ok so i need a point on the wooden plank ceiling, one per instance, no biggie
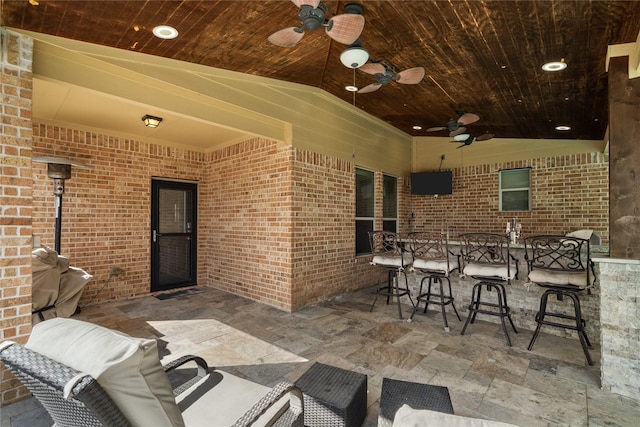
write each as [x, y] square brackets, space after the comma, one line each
[483, 57]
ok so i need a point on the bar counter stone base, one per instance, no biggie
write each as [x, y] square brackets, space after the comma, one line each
[620, 318]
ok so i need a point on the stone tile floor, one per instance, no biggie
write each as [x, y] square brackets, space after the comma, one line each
[549, 386]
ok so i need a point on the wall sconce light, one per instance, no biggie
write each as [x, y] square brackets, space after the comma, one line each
[151, 121]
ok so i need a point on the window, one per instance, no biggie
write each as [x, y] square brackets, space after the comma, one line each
[515, 190]
[365, 209]
[390, 203]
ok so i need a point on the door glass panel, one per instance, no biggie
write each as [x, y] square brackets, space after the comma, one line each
[174, 215]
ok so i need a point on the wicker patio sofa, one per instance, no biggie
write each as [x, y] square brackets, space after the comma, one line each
[87, 375]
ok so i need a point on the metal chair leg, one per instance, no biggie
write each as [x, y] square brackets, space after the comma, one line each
[580, 324]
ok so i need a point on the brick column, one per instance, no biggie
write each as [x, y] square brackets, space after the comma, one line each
[15, 199]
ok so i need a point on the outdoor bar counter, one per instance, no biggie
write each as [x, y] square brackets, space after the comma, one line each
[523, 298]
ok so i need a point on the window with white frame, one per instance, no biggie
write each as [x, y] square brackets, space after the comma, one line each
[390, 203]
[365, 209]
[515, 190]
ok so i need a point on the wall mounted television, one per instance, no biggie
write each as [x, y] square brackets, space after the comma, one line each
[423, 183]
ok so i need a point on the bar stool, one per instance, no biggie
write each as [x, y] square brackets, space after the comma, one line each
[431, 256]
[487, 259]
[562, 265]
[388, 254]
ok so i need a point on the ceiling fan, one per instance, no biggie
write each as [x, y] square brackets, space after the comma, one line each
[457, 126]
[345, 28]
[385, 73]
[466, 139]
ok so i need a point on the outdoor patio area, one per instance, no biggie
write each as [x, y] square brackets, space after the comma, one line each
[549, 386]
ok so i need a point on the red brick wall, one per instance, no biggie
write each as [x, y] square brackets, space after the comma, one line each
[324, 227]
[15, 200]
[105, 210]
[568, 193]
[246, 210]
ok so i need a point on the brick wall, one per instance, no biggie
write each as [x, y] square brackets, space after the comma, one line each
[246, 210]
[324, 224]
[105, 210]
[568, 193]
[15, 200]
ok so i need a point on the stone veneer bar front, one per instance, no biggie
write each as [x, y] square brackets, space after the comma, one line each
[620, 325]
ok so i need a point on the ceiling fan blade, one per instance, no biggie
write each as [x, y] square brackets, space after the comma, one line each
[371, 68]
[485, 137]
[313, 3]
[411, 76]
[345, 28]
[458, 131]
[468, 118]
[460, 146]
[435, 129]
[286, 37]
[371, 88]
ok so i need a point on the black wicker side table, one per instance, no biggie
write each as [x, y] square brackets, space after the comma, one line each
[396, 393]
[333, 396]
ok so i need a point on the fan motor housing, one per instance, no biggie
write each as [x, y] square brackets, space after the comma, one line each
[311, 18]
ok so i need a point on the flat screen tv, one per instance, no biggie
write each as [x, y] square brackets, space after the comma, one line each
[432, 183]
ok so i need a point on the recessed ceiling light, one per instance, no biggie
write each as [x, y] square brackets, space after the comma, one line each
[165, 32]
[563, 127]
[351, 88]
[554, 66]
[417, 127]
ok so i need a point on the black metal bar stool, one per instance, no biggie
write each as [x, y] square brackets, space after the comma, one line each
[388, 254]
[562, 266]
[432, 257]
[487, 259]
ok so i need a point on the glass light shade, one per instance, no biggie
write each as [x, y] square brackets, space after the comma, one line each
[354, 57]
[151, 121]
[461, 137]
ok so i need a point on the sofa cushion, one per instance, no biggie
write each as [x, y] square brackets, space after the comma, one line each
[220, 399]
[127, 368]
[406, 416]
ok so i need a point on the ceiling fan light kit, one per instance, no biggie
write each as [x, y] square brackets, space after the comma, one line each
[355, 56]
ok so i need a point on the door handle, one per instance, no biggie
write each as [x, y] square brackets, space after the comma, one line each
[155, 236]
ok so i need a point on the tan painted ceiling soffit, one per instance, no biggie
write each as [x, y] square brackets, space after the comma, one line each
[427, 151]
[632, 50]
[318, 120]
[75, 68]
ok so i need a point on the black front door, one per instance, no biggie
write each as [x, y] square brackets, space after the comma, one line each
[173, 234]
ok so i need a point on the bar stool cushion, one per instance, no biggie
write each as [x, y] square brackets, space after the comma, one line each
[409, 417]
[439, 266]
[559, 279]
[392, 260]
[476, 269]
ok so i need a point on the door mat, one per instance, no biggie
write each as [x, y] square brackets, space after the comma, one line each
[178, 294]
